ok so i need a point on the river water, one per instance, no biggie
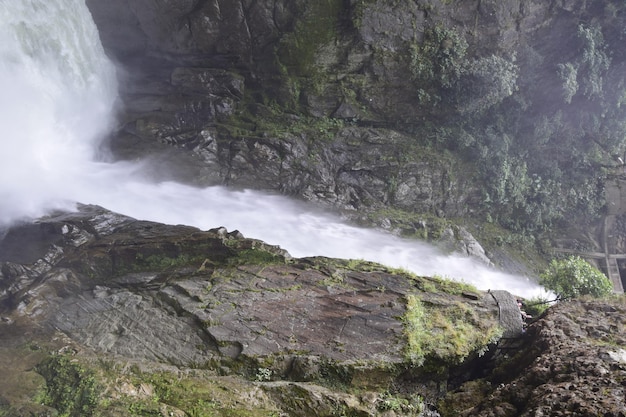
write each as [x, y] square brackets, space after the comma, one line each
[58, 98]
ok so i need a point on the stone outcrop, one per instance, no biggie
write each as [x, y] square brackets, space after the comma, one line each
[147, 309]
[234, 295]
[174, 295]
[509, 313]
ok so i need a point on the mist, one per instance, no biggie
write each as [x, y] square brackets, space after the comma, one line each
[58, 101]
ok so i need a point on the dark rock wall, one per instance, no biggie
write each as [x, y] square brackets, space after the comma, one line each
[343, 102]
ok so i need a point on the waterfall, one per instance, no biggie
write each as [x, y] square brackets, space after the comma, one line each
[58, 90]
[57, 103]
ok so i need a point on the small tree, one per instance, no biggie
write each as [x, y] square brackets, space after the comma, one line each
[573, 277]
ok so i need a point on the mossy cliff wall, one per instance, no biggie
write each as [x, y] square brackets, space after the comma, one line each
[486, 109]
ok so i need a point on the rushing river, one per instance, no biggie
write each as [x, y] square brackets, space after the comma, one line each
[58, 95]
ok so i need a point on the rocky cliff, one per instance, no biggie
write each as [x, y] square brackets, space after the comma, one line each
[107, 315]
[476, 109]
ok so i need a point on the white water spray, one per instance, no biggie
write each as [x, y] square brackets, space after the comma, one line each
[58, 93]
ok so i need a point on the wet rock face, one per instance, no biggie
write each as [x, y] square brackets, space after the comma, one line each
[287, 95]
[572, 364]
[206, 77]
[174, 294]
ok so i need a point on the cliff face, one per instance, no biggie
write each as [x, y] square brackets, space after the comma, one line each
[267, 95]
[453, 108]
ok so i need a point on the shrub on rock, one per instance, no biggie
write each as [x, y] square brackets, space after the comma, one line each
[573, 277]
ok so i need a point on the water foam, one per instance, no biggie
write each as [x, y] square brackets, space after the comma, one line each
[59, 92]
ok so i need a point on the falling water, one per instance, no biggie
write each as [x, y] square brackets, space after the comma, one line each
[58, 95]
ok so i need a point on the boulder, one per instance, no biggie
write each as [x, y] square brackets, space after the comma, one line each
[175, 295]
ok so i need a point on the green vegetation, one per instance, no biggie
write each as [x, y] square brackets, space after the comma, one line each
[574, 277]
[536, 306]
[111, 388]
[335, 270]
[448, 334]
[198, 397]
[439, 58]
[533, 142]
[416, 331]
[452, 287]
[263, 374]
[197, 256]
[255, 256]
[70, 388]
[269, 119]
[405, 406]
[419, 225]
[493, 79]
[536, 143]
[594, 61]
[317, 26]
[160, 262]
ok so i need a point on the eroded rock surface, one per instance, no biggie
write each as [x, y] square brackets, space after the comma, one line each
[175, 293]
[571, 364]
[141, 291]
[342, 103]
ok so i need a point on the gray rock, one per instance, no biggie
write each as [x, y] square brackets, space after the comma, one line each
[178, 295]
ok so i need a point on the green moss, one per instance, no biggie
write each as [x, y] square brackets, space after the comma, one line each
[415, 330]
[261, 121]
[256, 256]
[196, 395]
[449, 286]
[436, 283]
[449, 333]
[70, 388]
[298, 55]
[195, 258]
[162, 262]
[335, 375]
[317, 26]
[156, 262]
[412, 225]
[336, 269]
